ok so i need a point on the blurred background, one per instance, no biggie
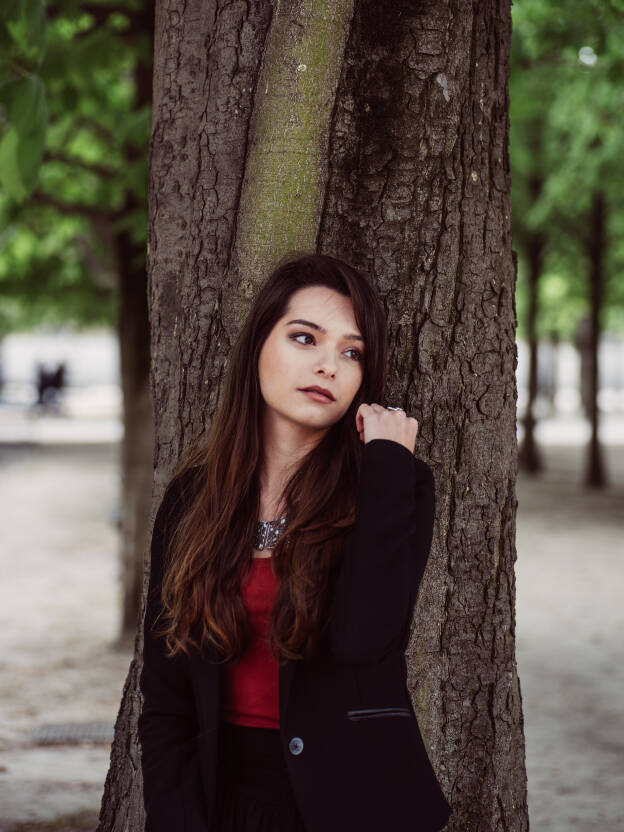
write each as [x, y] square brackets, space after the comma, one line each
[75, 424]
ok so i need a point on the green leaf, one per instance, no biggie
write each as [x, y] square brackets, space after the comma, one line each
[10, 173]
[23, 101]
[24, 104]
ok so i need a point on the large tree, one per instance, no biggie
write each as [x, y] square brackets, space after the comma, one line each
[75, 99]
[566, 142]
[378, 133]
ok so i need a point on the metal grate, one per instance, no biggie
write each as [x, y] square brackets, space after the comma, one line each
[73, 732]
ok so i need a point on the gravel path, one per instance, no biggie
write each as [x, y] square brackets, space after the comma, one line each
[59, 617]
[570, 646]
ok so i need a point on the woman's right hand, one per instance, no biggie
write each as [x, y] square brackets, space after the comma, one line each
[372, 421]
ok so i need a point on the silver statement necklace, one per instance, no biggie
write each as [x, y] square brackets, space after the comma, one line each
[268, 532]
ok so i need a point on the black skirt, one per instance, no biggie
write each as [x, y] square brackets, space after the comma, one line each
[253, 789]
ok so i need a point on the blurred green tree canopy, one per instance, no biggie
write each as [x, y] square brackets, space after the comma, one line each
[73, 146]
[73, 149]
[567, 135]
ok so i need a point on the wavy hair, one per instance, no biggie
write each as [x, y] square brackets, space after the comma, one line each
[211, 544]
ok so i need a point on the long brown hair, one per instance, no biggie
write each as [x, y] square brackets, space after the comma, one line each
[211, 545]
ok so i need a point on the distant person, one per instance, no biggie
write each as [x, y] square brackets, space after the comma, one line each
[50, 384]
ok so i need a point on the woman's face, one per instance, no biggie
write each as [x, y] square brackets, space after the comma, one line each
[327, 351]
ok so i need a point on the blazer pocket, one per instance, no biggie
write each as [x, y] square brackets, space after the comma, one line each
[373, 713]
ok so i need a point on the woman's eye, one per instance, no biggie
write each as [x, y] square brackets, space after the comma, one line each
[296, 335]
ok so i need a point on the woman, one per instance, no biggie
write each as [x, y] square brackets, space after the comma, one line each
[286, 557]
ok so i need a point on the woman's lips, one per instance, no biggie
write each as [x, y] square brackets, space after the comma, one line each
[318, 397]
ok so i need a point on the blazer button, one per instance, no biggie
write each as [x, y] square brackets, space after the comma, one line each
[295, 746]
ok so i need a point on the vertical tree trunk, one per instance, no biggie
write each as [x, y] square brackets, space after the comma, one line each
[595, 475]
[529, 456]
[380, 135]
[137, 446]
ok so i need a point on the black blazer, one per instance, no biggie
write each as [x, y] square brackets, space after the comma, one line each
[351, 742]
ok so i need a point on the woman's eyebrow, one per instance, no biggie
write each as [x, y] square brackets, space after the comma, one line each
[350, 336]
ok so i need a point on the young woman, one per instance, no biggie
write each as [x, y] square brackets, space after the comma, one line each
[286, 558]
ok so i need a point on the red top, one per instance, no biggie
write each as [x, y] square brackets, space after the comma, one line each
[250, 693]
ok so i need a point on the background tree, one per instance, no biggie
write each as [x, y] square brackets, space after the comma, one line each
[75, 95]
[382, 138]
[568, 180]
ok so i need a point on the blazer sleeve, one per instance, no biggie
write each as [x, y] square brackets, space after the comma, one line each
[167, 724]
[384, 555]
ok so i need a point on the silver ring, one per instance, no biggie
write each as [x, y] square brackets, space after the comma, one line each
[395, 408]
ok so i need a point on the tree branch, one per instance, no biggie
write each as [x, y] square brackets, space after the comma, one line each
[98, 129]
[93, 212]
[75, 161]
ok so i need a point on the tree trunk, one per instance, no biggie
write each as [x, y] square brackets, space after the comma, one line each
[529, 457]
[380, 136]
[119, 808]
[595, 475]
[137, 446]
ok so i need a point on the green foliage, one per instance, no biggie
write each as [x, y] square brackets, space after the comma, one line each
[74, 138]
[566, 138]
[73, 155]
[23, 105]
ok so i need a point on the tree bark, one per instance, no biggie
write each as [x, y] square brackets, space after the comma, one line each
[378, 135]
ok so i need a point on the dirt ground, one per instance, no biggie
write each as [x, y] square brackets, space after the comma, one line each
[59, 599]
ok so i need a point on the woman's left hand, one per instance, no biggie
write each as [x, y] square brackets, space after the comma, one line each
[372, 421]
